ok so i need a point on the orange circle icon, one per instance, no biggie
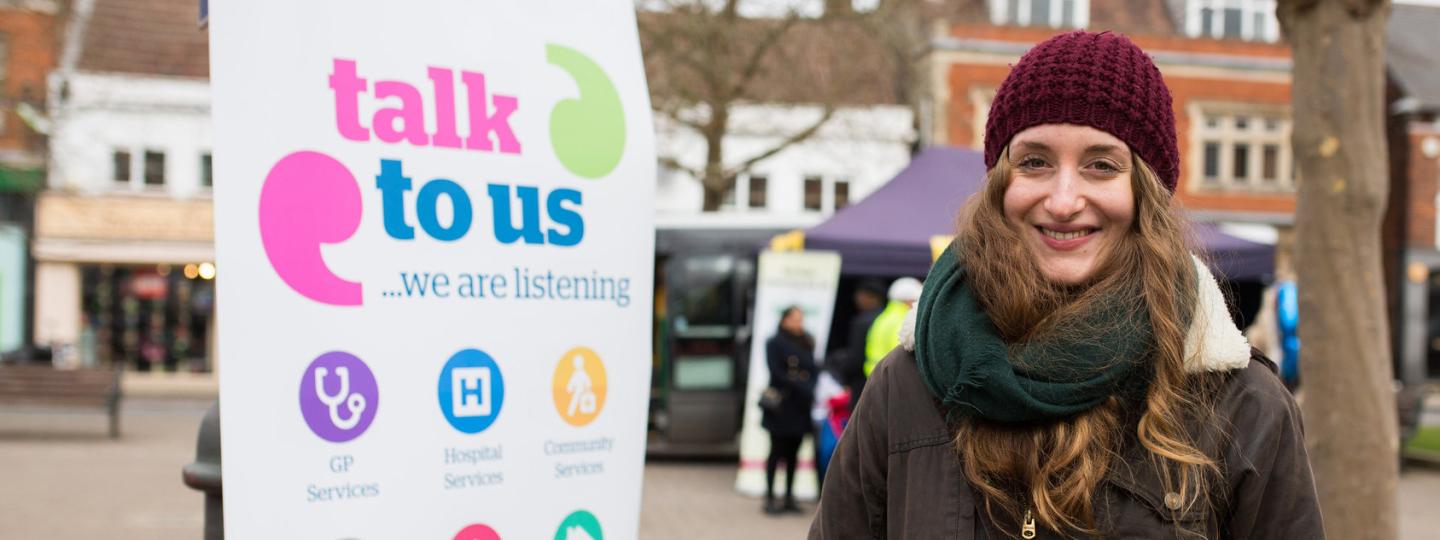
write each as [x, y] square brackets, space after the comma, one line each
[579, 386]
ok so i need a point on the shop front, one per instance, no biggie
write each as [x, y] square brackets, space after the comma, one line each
[126, 281]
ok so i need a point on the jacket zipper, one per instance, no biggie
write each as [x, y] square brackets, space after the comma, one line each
[1027, 527]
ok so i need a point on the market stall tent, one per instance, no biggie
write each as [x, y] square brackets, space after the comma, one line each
[889, 233]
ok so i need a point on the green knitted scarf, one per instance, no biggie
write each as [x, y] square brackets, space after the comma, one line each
[965, 363]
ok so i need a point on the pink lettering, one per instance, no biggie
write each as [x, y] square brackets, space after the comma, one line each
[348, 87]
[411, 114]
[488, 122]
[443, 81]
[482, 123]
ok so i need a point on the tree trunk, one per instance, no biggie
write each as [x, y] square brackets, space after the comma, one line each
[1339, 142]
[714, 181]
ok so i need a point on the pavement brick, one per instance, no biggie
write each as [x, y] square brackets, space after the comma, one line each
[62, 479]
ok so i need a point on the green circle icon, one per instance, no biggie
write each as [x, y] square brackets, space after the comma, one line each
[580, 525]
[588, 132]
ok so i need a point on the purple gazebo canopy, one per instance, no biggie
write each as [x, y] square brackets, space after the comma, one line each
[888, 233]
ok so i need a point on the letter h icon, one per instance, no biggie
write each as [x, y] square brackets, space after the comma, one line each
[470, 391]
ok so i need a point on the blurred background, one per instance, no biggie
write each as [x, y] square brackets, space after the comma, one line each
[781, 125]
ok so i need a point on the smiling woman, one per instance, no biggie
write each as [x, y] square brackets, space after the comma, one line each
[1070, 192]
[1071, 369]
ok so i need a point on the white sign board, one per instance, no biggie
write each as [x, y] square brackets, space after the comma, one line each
[435, 254]
[806, 279]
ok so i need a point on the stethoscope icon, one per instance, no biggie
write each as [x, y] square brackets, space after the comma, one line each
[354, 402]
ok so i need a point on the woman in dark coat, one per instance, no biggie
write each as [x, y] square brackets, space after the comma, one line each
[1071, 370]
[791, 359]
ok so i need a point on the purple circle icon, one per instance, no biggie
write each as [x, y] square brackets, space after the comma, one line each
[338, 396]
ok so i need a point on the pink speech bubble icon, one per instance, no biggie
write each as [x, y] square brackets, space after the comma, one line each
[477, 532]
[309, 199]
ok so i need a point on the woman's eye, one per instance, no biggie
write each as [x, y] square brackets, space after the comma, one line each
[1032, 162]
[1105, 166]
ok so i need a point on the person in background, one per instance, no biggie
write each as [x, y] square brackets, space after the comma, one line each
[869, 301]
[884, 335]
[790, 357]
[1287, 315]
[829, 392]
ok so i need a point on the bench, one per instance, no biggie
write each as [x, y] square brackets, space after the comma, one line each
[41, 385]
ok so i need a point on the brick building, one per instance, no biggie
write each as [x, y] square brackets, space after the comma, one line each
[124, 229]
[29, 47]
[1413, 262]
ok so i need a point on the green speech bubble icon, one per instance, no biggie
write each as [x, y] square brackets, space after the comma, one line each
[580, 525]
[588, 132]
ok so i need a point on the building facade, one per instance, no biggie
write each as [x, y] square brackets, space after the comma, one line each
[1411, 245]
[29, 45]
[124, 229]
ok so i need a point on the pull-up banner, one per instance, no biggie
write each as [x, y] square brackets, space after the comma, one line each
[435, 253]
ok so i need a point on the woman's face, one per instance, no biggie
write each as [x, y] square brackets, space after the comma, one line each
[1069, 196]
[793, 322]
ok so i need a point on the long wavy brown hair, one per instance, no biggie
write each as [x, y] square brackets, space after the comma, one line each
[1054, 470]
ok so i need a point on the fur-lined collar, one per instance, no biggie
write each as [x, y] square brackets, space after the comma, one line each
[1213, 343]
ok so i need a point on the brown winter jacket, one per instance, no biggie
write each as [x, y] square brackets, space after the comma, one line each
[895, 473]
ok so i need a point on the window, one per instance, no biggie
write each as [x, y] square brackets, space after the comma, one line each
[814, 188]
[1241, 147]
[154, 168]
[757, 191]
[842, 194]
[1270, 164]
[1212, 162]
[120, 164]
[1251, 20]
[1052, 13]
[207, 174]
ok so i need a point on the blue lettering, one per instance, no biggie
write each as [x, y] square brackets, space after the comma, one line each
[505, 230]
[393, 184]
[414, 283]
[459, 201]
[566, 217]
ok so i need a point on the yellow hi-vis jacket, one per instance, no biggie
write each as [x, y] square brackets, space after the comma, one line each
[884, 334]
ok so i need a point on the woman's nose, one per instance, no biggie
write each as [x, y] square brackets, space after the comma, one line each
[1068, 198]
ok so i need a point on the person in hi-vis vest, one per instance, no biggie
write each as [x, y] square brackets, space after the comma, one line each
[884, 335]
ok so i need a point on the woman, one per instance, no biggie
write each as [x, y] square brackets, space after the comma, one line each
[786, 403]
[1071, 370]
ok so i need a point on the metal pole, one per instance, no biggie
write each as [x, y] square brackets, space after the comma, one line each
[204, 473]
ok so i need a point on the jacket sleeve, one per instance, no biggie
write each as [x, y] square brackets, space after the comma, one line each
[853, 502]
[1272, 490]
[775, 363]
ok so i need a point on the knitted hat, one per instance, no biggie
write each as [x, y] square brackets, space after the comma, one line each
[905, 289]
[1099, 80]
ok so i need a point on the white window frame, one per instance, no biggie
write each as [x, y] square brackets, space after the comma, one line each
[999, 13]
[1227, 135]
[827, 192]
[1249, 8]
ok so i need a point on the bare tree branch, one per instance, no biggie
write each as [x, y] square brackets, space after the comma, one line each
[757, 56]
[798, 137]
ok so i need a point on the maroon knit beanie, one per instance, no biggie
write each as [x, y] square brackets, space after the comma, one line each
[1099, 80]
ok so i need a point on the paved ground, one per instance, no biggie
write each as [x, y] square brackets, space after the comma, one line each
[61, 479]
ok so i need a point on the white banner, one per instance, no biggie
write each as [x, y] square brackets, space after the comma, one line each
[807, 279]
[435, 251]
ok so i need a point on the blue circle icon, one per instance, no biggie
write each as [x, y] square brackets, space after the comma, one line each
[471, 391]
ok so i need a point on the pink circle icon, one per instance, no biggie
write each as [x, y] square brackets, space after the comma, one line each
[477, 532]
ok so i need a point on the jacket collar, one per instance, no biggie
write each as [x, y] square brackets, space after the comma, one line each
[1213, 343]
